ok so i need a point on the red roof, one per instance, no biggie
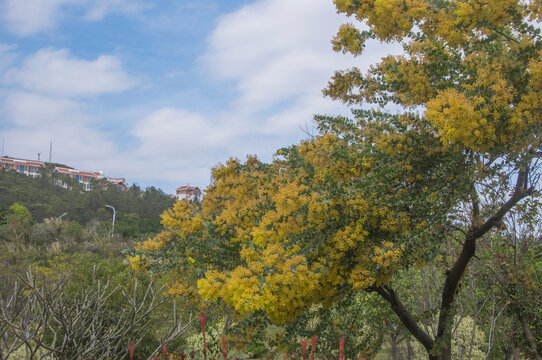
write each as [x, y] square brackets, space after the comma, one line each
[79, 172]
[59, 169]
[29, 162]
[187, 188]
[91, 173]
[116, 180]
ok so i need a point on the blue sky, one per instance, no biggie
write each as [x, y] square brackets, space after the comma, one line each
[160, 91]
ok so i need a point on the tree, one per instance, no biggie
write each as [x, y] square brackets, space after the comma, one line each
[451, 145]
[475, 69]
[19, 221]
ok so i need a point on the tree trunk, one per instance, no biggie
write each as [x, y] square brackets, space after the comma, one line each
[404, 315]
[451, 285]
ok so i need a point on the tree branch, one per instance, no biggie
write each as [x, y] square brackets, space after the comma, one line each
[404, 315]
[455, 275]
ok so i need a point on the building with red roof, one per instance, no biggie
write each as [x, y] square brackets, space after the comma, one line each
[119, 183]
[26, 167]
[85, 178]
[82, 177]
[32, 168]
[188, 192]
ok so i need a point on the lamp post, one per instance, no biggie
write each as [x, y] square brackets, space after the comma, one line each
[113, 225]
[60, 217]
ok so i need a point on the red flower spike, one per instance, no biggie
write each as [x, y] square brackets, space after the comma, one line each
[131, 347]
[164, 350]
[202, 320]
[224, 348]
[303, 348]
[313, 345]
[285, 356]
[341, 349]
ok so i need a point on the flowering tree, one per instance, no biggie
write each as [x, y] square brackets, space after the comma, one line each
[473, 69]
[346, 209]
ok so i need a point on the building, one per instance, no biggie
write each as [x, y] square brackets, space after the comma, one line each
[26, 167]
[119, 183]
[82, 177]
[85, 178]
[32, 168]
[191, 193]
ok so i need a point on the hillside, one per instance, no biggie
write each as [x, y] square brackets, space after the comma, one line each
[137, 211]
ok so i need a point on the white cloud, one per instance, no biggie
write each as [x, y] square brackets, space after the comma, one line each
[276, 50]
[55, 72]
[25, 17]
[278, 54]
[31, 110]
[173, 131]
[175, 141]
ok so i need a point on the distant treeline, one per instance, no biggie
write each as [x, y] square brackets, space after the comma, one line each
[137, 211]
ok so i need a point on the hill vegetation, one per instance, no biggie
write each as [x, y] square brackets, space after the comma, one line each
[75, 262]
[138, 211]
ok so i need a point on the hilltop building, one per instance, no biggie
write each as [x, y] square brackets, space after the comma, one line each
[33, 168]
[86, 177]
[27, 167]
[119, 183]
[82, 177]
[191, 193]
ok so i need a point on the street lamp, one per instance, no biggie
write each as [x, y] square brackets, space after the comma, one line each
[112, 226]
[58, 218]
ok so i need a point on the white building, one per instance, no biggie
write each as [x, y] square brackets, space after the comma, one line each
[85, 178]
[190, 193]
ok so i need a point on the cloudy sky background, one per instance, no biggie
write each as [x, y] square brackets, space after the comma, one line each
[160, 91]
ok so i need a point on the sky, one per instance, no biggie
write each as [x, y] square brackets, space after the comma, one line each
[160, 91]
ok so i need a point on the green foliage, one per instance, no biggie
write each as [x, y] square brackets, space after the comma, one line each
[468, 342]
[357, 318]
[19, 221]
